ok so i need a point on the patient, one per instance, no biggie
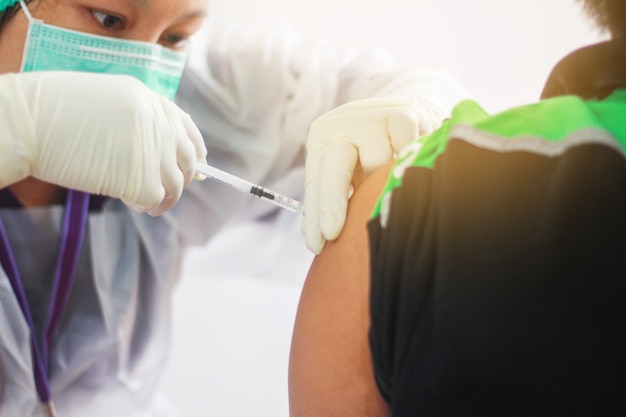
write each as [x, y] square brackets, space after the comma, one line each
[484, 272]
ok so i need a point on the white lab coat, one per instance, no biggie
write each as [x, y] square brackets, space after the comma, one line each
[253, 92]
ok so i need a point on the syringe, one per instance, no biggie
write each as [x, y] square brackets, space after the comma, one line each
[240, 184]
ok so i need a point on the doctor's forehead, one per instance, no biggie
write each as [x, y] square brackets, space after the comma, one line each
[196, 6]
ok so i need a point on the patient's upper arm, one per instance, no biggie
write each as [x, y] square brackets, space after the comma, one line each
[330, 369]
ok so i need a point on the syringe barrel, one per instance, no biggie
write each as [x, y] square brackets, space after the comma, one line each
[247, 187]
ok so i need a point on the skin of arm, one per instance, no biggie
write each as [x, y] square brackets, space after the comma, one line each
[330, 365]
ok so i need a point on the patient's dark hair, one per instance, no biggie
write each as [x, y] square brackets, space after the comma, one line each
[608, 15]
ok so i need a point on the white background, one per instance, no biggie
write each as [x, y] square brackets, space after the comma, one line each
[501, 49]
[234, 313]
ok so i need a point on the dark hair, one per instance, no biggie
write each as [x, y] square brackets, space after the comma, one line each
[9, 12]
[608, 15]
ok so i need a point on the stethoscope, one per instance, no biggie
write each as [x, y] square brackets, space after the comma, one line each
[73, 232]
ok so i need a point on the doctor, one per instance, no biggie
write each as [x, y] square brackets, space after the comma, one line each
[86, 274]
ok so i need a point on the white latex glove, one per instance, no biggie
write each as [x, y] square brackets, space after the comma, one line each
[368, 132]
[103, 134]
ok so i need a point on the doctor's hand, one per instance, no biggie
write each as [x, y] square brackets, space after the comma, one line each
[99, 133]
[353, 140]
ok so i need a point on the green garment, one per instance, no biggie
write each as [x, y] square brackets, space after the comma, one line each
[548, 128]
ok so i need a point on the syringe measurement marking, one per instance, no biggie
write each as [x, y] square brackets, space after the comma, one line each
[248, 187]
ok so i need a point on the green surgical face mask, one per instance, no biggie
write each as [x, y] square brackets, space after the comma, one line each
[51, 48]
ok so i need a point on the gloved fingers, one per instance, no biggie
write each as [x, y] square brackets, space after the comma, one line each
[403, 127]
[329, 172]
[167, 203]
[189, 145]
[373, 153]
[193, 133]
[151, 193]
[144, 190]
[311, 222]
[180, 152]
[186, 160]
[196, 139]
[172, 180]
[313, 235]
[340, 160]
[177, 158]
[149, 199]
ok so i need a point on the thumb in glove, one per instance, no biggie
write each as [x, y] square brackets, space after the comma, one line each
[355, 138]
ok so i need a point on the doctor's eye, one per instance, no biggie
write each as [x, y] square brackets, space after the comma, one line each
[175, 41]
[108, 21]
